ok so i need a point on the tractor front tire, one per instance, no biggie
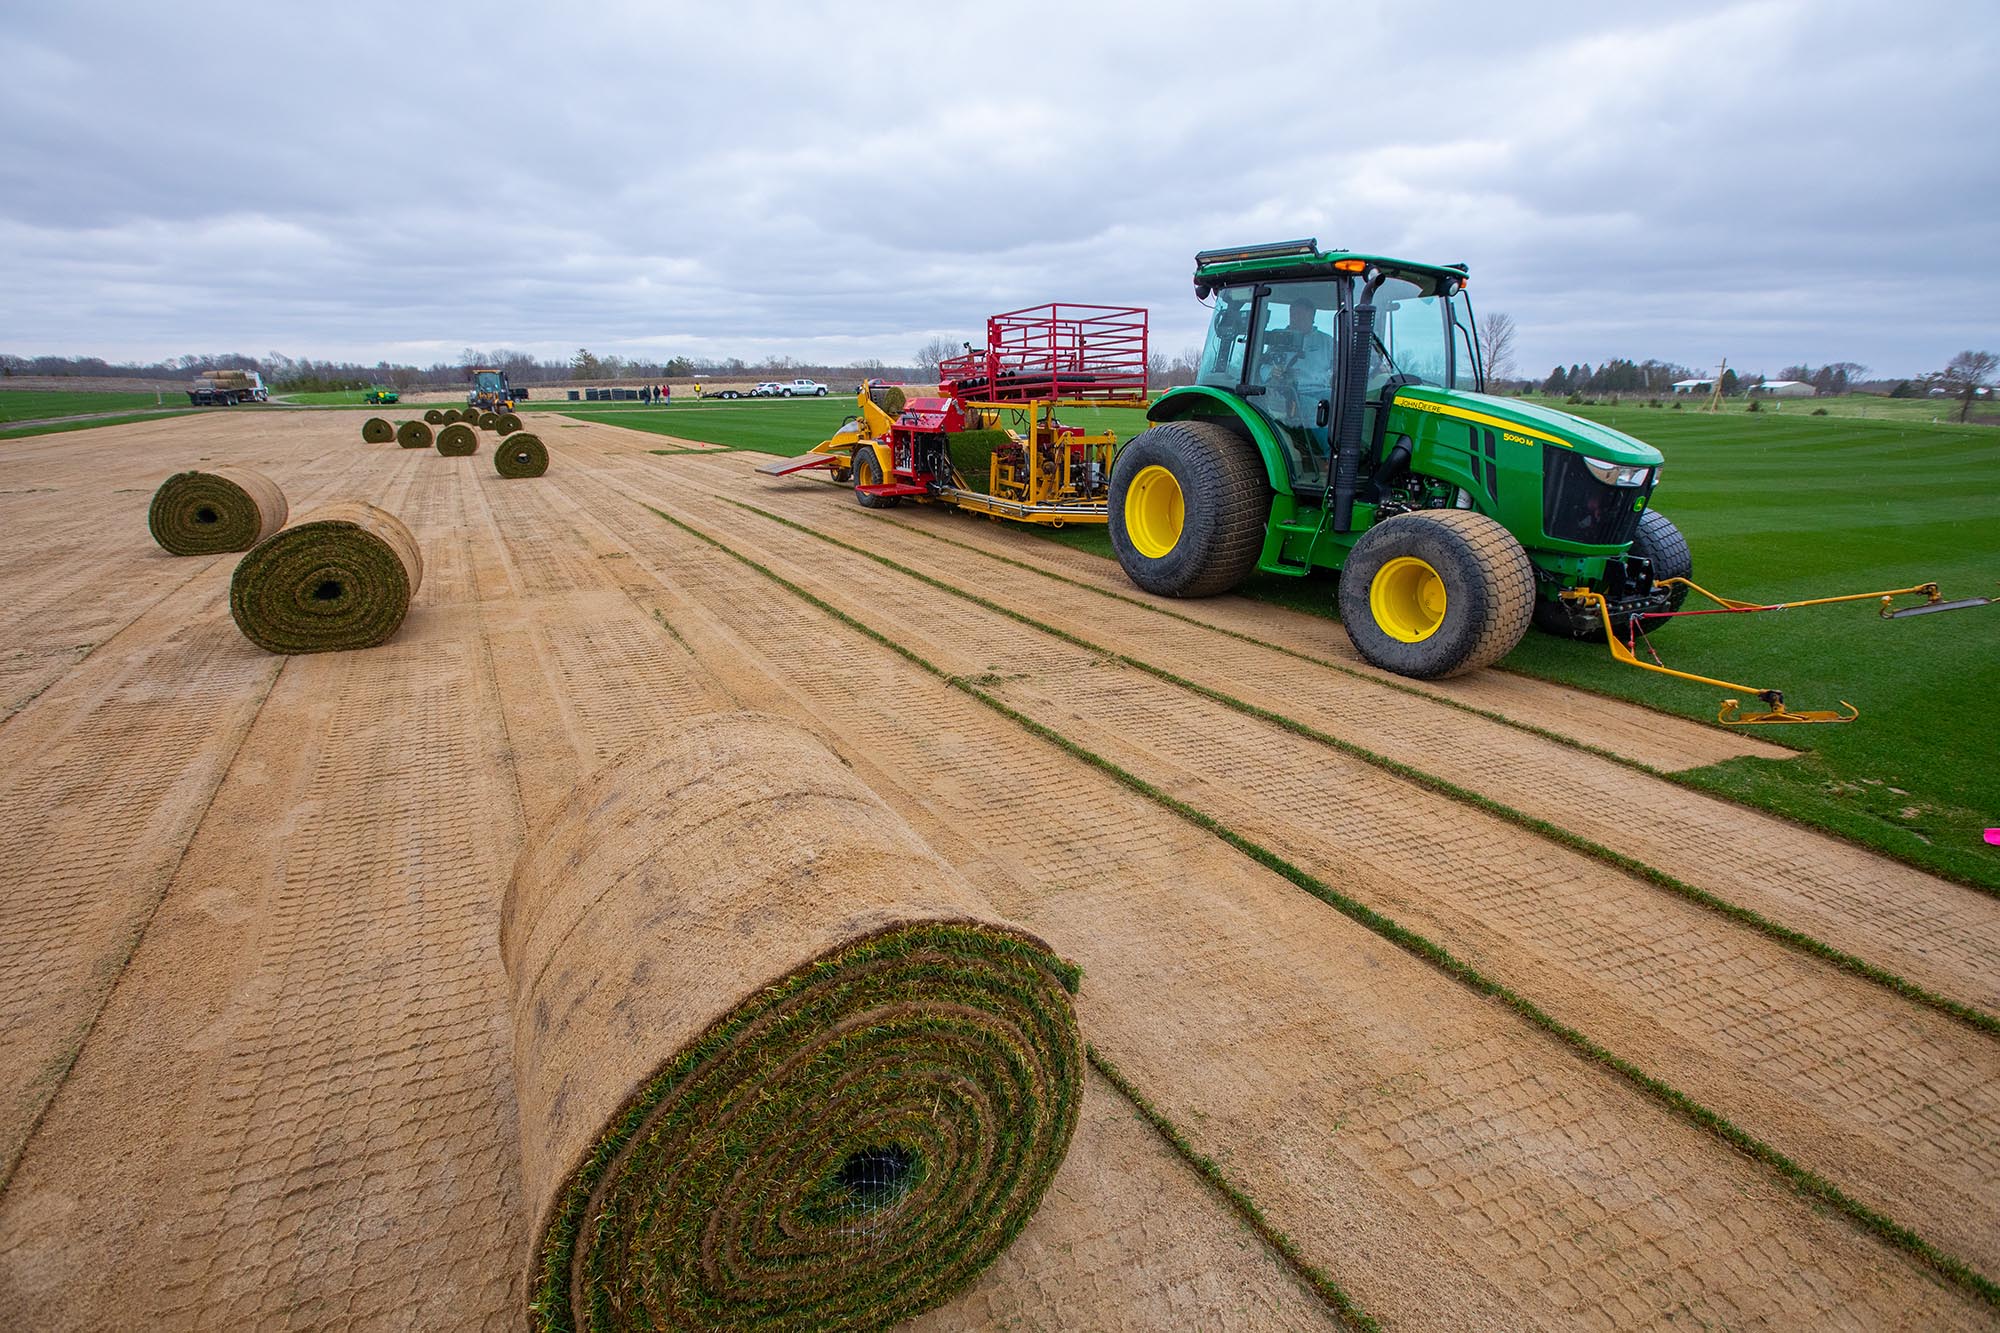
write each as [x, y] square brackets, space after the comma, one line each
[1660, 542]
[868, 472]
[1188, 505]
[1436, 593]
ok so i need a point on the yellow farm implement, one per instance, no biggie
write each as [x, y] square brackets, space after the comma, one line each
[1774, 711]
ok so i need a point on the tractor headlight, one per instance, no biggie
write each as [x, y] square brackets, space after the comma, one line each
[1616, 474]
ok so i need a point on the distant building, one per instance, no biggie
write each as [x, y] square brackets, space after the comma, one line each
[1694, 386]
[1783, 389]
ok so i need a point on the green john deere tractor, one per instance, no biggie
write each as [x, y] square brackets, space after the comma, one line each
[1338, 422]
[378, 394]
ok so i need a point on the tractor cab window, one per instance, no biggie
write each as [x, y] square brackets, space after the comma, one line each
[487, 381]
[1410, 332]
[1228, 338]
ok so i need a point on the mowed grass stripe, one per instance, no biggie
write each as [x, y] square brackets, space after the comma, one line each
[1977, 1019]
[1806, 1182]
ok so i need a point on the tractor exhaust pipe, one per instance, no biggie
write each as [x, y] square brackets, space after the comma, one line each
[1347, 449]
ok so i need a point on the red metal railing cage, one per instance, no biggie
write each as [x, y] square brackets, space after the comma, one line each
[1058, 350]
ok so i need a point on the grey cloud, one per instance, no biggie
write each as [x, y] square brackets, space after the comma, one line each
[1774, 182]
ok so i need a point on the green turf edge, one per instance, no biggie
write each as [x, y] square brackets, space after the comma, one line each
[1344, 1307]
[549, 1306]
[1896, 848]
[1806, 1182]
[1972, 1017]
[58, 427]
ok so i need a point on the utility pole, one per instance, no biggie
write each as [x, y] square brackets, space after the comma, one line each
[1715, 394]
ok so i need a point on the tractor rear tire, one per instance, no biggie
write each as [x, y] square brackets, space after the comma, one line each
[1436, 593]
[1659, 541]
[1188, 505]
[868, 472]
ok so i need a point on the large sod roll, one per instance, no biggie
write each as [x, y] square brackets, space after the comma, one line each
[434, 417]
[458, 439]
[224, 509]
[777, 1064]
[507, 423]
[487, 420]
[375, 430]
[414, 435]
[521, 455]
[342, 577]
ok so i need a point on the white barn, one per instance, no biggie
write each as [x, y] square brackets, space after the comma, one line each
[1693, 386]
[1783, 389]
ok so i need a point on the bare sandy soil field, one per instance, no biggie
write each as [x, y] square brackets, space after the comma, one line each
[1490, 1025]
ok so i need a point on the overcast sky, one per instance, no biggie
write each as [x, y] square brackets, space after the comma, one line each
[1773, 182]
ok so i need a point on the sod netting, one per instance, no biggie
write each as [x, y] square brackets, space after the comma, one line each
[521, 455]
[340, 578]
[778, 1065]
[223, 509]
[458, 440]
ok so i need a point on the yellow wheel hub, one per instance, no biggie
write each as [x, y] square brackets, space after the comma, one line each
[1407, 599]
[1154, 512]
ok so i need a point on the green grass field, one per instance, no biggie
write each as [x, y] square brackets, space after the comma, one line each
[38, 404]
[1777, 506]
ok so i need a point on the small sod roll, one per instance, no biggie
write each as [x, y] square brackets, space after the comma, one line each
[223, 509]
[413, 435]
[458, 439]
[487, 420]
[778, 1066]
[434, 417]
[342, 577]
[521, 455]
[377, 431]
[507, 423]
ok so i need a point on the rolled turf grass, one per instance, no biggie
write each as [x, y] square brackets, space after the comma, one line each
[414, 435]
[507, 423]
[521, 455]
[434, 417]
[223, 509]
[488, 420]
[375, 430]
[458, 439]
[340, 578]
[972, 454]
[777, 1064]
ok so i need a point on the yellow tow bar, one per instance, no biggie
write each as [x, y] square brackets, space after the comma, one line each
[1731, 713]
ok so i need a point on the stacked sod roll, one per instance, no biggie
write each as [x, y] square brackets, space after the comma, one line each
[458, 439]
[777, 1064]
[414, 435]
[223, 509]
[521, 455]
[375, 430]
[342, 577]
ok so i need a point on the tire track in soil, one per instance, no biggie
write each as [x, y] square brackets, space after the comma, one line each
[1897, 1104]
[1440, 1158]
[1938, 934]
[298, 1106]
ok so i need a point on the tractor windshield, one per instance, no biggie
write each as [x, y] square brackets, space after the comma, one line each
[487, 381]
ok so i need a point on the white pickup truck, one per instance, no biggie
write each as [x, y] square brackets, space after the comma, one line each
[794, 389]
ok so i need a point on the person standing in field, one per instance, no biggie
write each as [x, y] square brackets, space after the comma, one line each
[668, 390]
[697, 391]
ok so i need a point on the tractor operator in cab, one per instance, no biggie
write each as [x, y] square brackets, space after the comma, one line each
[1296, 367]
